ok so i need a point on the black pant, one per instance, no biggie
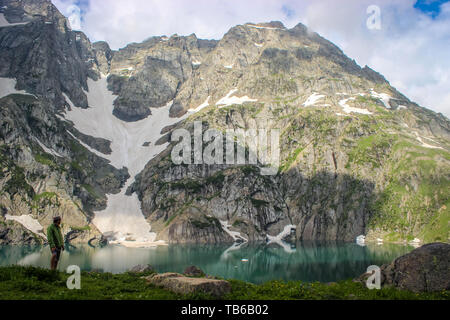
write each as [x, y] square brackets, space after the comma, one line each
[56, 251]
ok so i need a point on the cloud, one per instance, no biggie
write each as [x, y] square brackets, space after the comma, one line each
[74, 16]
[410, 50]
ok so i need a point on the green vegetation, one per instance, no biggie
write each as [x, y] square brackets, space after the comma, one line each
[17, 183]
[44, 195]
[248, 169]
[91, 190]
[291, 159]
[416, 201]
[216, 179]
[18, 282]
[45, 159]
[371, 149]
[85, 228]
[42, 200]
[207, 222]
[187, 184]
[258, 203]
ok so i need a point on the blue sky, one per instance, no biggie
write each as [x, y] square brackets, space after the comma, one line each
[431, 7]
[411, 49]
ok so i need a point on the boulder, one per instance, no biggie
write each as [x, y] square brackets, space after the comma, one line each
[425, 269]
[140, 268]
[193, 271]
[184, 285]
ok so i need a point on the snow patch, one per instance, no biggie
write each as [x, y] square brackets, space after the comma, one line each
[262, 27]
[98, 153]
[348, 109]
[383, 97]
[400, 107]
[234, 234]
[426, 145]
[8, 86]
[200, 107]
[278, 239]
[5, 23]
[123, 216]
[46, 149]
[28, 222]
[228, 100]
[312, 99]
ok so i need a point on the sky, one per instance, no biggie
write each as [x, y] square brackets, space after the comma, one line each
[408, 41]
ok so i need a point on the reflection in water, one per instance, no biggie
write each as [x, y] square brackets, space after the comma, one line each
[307, 261]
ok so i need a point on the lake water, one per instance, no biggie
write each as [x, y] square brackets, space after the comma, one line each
[255, 263]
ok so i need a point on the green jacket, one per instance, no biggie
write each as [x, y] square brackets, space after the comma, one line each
[54, 236]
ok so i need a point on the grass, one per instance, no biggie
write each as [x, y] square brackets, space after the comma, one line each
[371, 149]
[416, 200]
[31, 283]
[85, 228]
[44, 195]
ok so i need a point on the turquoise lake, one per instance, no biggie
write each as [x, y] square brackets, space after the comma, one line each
[256, 263]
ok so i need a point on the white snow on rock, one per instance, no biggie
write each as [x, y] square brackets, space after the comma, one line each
[383, 97]
[360, 240]
[46, 149]
[262, 27]
[259, 45]
[400, 107]
[28, 222]
[196, 63]
[5, 23]
[278, 239]
[424, 144]
[98, 153]
[200, 107]
[122, 216]
[8, 86]
[313, 99]
[348, 109]
[234, 234]
[286, 231]
[228, 100]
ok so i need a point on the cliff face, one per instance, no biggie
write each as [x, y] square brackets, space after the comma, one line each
[45, 169]
[357, 157]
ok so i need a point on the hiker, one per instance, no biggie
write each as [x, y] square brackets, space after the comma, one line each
[55, 241]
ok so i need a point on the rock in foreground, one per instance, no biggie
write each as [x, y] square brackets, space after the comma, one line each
[184, 285]
[193, 271]
[425, 269]
[142, 268]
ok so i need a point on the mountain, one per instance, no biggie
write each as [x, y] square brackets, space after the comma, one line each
[86, 133]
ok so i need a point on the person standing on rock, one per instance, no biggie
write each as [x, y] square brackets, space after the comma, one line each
[55, 241]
